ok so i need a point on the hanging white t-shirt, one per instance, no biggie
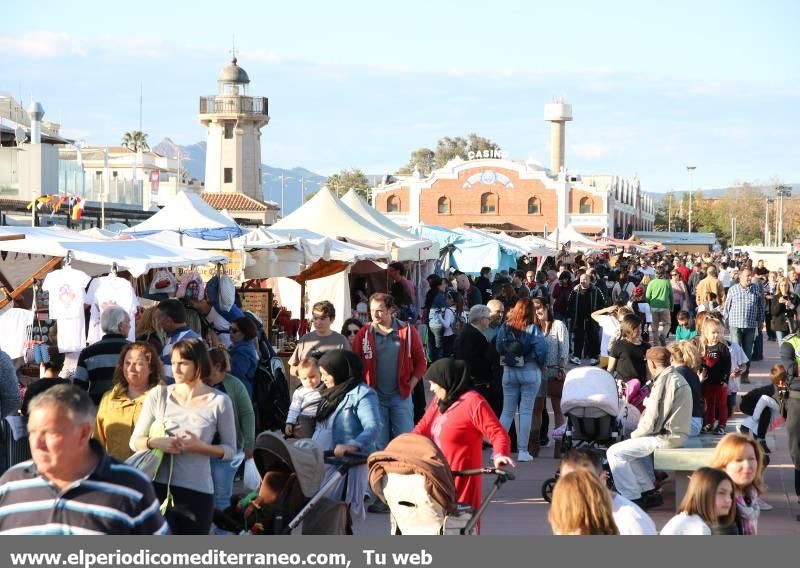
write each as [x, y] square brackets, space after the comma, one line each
[67, 289]
[14, 323]
[110, 291]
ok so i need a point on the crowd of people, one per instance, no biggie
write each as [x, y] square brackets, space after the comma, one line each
[492, 349]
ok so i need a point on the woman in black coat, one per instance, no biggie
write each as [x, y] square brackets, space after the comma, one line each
[783, 310]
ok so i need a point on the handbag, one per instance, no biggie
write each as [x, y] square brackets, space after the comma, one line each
[149, 461]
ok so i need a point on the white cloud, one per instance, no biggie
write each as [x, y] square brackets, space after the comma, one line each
[42, 45]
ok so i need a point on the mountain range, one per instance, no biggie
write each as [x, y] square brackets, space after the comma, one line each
[194, 162]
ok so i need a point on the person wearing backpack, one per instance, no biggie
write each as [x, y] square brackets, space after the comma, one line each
[523, 352]
[623, 289]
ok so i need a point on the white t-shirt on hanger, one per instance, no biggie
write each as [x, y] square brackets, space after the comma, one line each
[110, 291]
[67, 289]
[14, 323]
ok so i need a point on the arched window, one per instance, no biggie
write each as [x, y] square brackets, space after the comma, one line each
[443, 206]
[393, 204]
[488, 203]
[585, 205]
[534, 206]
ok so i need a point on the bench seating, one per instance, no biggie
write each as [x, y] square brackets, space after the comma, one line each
[683, 461]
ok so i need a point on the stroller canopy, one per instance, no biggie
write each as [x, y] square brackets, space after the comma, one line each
[411, 454]
[590, 387]
[303, 457]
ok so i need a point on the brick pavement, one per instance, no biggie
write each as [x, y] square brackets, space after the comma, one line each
[518, 509]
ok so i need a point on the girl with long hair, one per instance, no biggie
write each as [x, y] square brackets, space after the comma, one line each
[556, 337]
[687, 363]
[581, 505]
[709, 502]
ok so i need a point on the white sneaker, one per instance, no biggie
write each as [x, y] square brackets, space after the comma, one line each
[524, 457]
[575, 361]
[593, 361]
[763, 505]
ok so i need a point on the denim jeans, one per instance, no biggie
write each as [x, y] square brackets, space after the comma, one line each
[222, 472]
[631, 466]
[779, 335]
[397, 417]
[661, 323]
[745, 337]
[520, 385]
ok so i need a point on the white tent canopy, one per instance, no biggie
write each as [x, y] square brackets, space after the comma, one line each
[188, 213]
[578, 240]
[95, 256]
[364, 210]
[327, 215]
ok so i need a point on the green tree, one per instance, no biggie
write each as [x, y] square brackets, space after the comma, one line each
[426, 160]
[422, 159]
[135, 140]
[341, 182]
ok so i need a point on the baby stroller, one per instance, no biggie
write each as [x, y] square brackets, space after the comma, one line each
[590, 402]
[413, 478]
[291, 491]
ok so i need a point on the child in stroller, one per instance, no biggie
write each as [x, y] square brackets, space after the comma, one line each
[413, 478]
[591, 405]
[291, 491]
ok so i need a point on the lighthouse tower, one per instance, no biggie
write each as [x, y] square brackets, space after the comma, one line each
[234, 121]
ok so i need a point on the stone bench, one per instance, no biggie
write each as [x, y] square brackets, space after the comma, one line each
[683, 461]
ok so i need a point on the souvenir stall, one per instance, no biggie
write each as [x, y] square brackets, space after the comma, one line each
[327, 269]
[420, 268]
[45, 276]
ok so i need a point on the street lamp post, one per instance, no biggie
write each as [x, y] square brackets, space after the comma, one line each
[691, 170]
[781, 191]
[767, 238]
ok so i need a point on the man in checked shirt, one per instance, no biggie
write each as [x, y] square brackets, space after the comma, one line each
[744, 309]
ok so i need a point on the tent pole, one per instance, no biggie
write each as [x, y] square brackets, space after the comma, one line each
[303, 301]
[54, 262]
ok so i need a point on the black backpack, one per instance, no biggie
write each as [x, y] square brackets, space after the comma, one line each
[270, 387]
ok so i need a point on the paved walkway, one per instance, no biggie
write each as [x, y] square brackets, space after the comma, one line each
[518, 509]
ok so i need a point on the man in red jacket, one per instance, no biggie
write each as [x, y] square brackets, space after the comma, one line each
[394, 362]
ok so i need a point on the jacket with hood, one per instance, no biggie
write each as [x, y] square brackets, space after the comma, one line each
[411, 361]
[668, 410]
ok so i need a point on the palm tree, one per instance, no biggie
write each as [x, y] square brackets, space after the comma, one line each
[135, 140]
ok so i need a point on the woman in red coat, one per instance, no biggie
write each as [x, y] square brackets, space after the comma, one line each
[457, 420]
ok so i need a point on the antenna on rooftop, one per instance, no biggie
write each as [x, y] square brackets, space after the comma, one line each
[233, 49]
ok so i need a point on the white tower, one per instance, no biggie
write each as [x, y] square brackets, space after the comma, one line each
[234, 121]
[36, 112]
[557, 113]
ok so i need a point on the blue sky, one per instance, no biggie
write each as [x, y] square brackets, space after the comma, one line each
[654, 87]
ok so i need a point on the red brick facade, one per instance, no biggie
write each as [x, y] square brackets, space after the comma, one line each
[527, 204]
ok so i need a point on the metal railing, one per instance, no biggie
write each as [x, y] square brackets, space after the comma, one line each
[234, 105]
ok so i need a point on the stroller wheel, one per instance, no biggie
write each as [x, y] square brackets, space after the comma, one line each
[547, 489]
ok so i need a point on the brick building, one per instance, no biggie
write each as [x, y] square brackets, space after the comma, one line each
[496, 193]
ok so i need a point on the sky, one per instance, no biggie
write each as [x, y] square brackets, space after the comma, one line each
[654, 87]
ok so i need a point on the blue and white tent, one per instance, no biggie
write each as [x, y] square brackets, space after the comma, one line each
[469, 251]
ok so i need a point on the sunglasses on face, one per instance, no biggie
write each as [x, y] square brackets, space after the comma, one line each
[351, 332]
[234, 330]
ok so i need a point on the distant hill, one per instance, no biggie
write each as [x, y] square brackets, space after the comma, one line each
[195, 164]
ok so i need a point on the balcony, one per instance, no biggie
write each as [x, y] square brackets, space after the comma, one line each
[234, 105]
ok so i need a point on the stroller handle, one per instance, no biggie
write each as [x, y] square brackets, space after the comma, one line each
[503, 475]
[350, 458]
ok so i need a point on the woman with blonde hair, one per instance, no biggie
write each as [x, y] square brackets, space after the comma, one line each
[686, 361]
[139, 369]
[581, 505]
[148, 330]
[741, 457]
